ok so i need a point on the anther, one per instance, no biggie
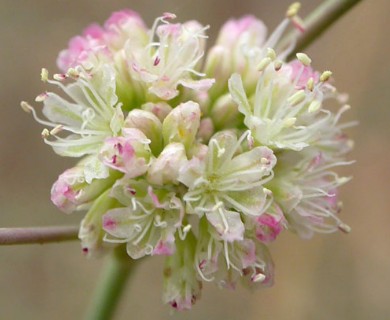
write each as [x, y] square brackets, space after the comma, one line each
[73, 73]
[310, 84]
[343, 180]
[293, 9]
[297, 97]
[314, 106]
[45, 133]
[264, 63]
[59, 76]
[57, 129]
[292, 14]
[325, 76]
[44, 75]
[26, 107]
[289, 122]
[344, 228]
[278, 65]
[303, 58]
[41, 97]
[169, 16]
[271, 54]
[187, 228]
[258, 277]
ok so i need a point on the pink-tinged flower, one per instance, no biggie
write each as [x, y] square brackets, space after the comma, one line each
[270, 224]
[148, 222]
[308, 196]
[80, 48]
[243, 47]
[228, 262]
[236, 50]
[66, 191]
[170, 60]
[91, 231]
[73, 190]
[103, 42]
[181, 285]
[129, 154]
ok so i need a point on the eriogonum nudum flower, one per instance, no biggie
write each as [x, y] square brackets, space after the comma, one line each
[202, 162]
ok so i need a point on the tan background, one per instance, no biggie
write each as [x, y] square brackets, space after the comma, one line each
[330, 277]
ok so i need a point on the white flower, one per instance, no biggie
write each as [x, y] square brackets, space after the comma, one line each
[280, 115]
[80, 126]
[228, 183]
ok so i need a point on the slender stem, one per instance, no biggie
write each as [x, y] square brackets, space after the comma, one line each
[317, 22]
[111, 286]
[9, 236]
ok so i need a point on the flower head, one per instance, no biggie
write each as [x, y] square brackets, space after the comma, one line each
[202, 162]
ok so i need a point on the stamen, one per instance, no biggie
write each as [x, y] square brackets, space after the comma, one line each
[310, 84]
[344, 228]
[56, 129]
[183, 232]
[304, 59]
[297, 97]
[26, 107]
[263, 64]
[278, 65]
[314, 106]
[325, 76]
[169, 16]
[73, 73]
[293, 9]
[258, 277]
[41, 97]
[44, 75]
[292, 14]
[45, 133]
[271, 54]
[59, 76]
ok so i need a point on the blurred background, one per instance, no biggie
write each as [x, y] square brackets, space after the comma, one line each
[330, 277]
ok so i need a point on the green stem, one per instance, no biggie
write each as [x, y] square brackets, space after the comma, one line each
[111, 286]
[9, 236]
[317, 22]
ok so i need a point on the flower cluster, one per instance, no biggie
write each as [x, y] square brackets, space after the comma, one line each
[204, 159]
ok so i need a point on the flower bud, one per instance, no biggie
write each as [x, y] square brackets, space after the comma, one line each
[225, 112]
[206, 130]
[149, 124]
[73, 192]
[182, 124]
[165, 169]
[159, 109]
